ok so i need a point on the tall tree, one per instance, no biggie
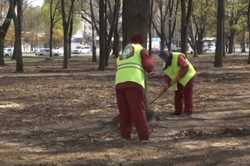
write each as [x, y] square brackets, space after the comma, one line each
[160, 21]
[89, 16]
[135, 19]
[18, 17]
[103, 32]
[235, 11]
[186, 11]
[105, 23]
[4, 28]
[248, 25]
[218, 61]
[164, 21]
[201, 15]
[67, 8]
[150, 25]
[108, 22]
[53, 17]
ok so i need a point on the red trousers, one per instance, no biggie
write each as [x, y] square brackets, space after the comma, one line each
[131, 107]
[184, 94]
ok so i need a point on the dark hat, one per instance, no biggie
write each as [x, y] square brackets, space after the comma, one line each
[165, 54]
[137, 38]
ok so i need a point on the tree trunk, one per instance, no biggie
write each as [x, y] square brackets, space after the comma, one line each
[93, 44]
[249, 36]
[67, 21]
[1, 50]
[102, 39]
[50, 39]
[162, 42]
[243, 43]
[231, 43]
[4, 28]
[220, 34]
[18, 36]
[51, 27]
[135, 19]
[113, 25]
[66, 51]
[116, 45]
[150, 26]
[185, 16]
[192, 41]
[248, 26]
[70, 35]
[200, 43]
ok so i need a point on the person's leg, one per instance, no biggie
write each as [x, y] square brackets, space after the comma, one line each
[135, 97]
[188, 97]
[124, 116]
[178, 100]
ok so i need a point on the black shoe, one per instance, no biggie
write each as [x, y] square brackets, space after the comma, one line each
[176, 113]
[188, 113]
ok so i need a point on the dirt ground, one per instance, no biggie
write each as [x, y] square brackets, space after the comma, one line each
[55, 117]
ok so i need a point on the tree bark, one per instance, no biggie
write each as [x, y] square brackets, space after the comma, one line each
[243, 43]
[248, 26]
[18, 36]
[4, 28]
[200, 43]
[70, 36]
[93, 44]
[1, 52]
[116, 44]
[220, 34]
[66, 19]
[135, 19]
[103, 31]
[231, 43]
[185, 17]
[150, 26]
[51, 27]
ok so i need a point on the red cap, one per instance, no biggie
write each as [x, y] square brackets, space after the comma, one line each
[137, 38]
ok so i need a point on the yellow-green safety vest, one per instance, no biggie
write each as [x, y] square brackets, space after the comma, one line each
[129, 65]
[172, 71]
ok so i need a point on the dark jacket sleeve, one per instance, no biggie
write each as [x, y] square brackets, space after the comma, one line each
[183, 66]
[147, 61]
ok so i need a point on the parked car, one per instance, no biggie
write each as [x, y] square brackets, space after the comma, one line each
[86, 50]
[210, 49]
[58, 51]
[76, 50]
[46, 52]
[82, 50]
[42, 52]
[8, 51]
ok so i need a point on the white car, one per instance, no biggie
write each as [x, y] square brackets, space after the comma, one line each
[58, 52]
[86, 50]
[46, 52]
[8, 51]
[81, 50]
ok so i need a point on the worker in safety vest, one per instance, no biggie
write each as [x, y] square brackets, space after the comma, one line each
[130, 83]
[179, 74]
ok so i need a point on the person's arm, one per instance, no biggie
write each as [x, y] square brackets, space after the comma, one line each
[167, 83]
[183, 67]
[147, 61]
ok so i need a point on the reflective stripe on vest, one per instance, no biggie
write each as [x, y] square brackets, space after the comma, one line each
[172, 71]
[131, 69]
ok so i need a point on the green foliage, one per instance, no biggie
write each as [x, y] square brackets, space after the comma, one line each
[236, 15]
[204, 12]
